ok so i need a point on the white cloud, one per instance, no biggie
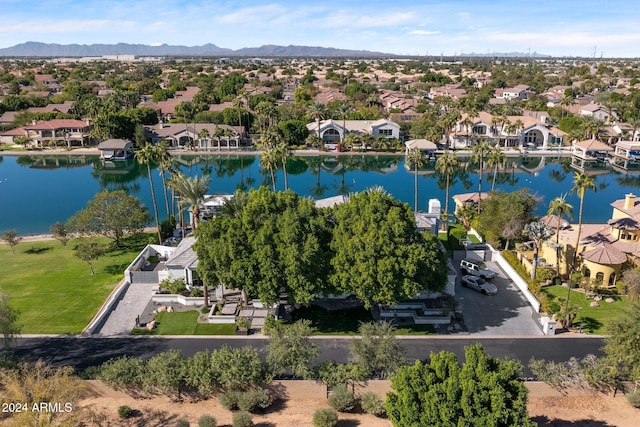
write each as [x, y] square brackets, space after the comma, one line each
[423, 33]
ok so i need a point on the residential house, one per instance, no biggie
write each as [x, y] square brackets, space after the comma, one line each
[427, 147]
[201, 136]
[594, 110]
[604, 249]
[332, 131]
[43, 133]
[521, 92]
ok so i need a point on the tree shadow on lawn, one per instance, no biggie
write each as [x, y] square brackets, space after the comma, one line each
[37, 251]
[589, 324]
[116, 268]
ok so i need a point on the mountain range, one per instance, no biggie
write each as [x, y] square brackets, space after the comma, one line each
[37, 49]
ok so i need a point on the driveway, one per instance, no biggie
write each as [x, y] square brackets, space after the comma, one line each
[505, 314]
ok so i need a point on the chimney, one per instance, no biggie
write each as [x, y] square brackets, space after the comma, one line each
[629, 201]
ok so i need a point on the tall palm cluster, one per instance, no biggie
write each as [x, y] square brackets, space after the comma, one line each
[189, 191]
[275, 153]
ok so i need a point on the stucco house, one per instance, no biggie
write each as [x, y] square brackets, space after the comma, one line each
[333, 131]
[44, 132]
[594, 110]
[201, 136]
[604, 249]
[116, 149]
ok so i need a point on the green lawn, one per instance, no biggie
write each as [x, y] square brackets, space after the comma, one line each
[53, 290]
[185, 323]
[593, 319]
[347, 321]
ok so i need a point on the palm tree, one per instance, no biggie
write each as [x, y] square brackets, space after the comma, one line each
[317, 111]
[559, 207]
[479, 152]
[446, 165]
[204, 135]
[284, 152]
[191, 191]
[343, 111]
[166, 164]
[149, 154]
[496, 158]
[269, 160]
[581, 183]
[416, 158]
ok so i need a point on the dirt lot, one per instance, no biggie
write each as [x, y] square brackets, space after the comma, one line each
[546, 407]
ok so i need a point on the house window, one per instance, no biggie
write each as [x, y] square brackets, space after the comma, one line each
[331, 135]
[386, 132]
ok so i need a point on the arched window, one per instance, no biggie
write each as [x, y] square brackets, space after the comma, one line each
[587, 273]
[331, 135]
[599, 277]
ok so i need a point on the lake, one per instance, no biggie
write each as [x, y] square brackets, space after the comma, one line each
[38, 190]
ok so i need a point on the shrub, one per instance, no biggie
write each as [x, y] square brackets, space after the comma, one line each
[229, 400]
[124, 412]
[250, 401]
[372, 404]
[196, 292]
[183, 422]
[325, 417]
[243, 323]
[207, 421]
[341, 399]
[242, 419]
[633, 398]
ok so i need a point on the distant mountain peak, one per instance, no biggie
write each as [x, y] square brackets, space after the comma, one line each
[39, 49]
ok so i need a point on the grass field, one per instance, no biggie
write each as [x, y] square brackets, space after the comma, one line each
[593, 319]
[185, 323]
[53, 290]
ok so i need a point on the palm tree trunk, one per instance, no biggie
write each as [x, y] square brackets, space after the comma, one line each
[164, 190]
[446, 205]
[415, 187]
[155, 204]
[480, 186]
[273, 178]
[284, 169]
[205, 293]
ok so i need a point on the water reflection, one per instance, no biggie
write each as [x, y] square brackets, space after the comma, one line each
[315, 176]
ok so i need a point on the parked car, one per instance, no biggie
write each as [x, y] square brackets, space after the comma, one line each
[479, 284]
[476, 268]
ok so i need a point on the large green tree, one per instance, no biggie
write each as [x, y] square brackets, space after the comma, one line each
[379, 254]
[113, 214]
[484, 391]
[622, 345]
[290, 351]
[504, 215]
[9, 326]
[278, 239]
[378, 351]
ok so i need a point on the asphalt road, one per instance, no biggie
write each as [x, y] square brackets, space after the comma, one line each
[82, 352]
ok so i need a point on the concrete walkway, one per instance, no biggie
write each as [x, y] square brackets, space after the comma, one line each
[123, 317]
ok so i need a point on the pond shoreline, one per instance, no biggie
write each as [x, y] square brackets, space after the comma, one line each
[94, 151]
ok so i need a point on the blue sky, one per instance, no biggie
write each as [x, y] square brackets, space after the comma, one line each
[405, 27]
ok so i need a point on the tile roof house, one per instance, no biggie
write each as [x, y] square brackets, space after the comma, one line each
[43, 133]
[332, 131]
[203, 136]
[604, 249]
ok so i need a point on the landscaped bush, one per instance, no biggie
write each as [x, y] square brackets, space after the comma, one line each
[183, 422]
[456, 234]
[174, 286]
[512, 259]
[242, 419]
[253, 400]
[325, 417]
[372, 404]
[633, 398]
[196, 292]
[124, 412]
[229, 400]
[207, 421]
[341, 398]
